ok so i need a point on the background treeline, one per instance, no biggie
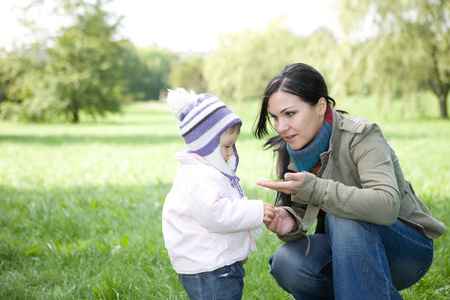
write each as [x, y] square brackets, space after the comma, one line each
[85, 70]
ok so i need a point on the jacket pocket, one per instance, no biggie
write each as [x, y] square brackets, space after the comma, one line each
[407, 205]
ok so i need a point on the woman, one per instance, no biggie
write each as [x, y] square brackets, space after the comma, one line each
[373, 234]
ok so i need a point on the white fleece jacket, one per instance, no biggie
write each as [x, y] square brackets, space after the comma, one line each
[205, 222]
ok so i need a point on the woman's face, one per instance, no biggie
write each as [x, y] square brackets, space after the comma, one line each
[295, 120]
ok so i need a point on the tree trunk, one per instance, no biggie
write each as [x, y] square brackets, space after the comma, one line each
[76, 116]
[443, 105]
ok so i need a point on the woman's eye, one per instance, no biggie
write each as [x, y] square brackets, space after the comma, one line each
[290, 114]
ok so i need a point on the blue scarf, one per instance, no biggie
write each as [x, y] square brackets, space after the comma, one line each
[305, 159]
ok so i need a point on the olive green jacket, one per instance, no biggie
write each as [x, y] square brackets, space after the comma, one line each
[360, 179]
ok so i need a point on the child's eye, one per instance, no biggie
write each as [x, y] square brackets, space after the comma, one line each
[290, 114]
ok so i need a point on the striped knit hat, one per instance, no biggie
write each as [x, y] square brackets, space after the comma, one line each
[202, 119]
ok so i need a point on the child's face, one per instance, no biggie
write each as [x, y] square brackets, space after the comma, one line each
[227, 141]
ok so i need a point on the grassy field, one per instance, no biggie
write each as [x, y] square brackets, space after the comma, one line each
[80, 205]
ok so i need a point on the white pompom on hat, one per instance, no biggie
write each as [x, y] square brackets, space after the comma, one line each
[179, 101]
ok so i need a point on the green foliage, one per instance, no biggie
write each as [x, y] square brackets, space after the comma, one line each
[188, 73]
[408, 52]
[146, 71]
[158, 63]
[245, 62]
[80, 72]
[17, 80]
[83, 69]
[85, 63]
[81, 205]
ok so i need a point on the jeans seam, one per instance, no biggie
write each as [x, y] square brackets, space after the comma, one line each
[199, 284]
[211, 278]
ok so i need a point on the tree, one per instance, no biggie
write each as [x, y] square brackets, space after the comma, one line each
[158, 65]
[25, 84]
[188, 73]
[245, 62]
[78, 71]
[17, 68]
[86, 66]
[408, 49]
[322, 52]
[146, 71]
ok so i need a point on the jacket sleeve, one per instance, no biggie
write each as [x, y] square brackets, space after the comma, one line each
[214, 209]
[376, 200]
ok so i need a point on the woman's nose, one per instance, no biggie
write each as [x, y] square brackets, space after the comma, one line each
[281, 126]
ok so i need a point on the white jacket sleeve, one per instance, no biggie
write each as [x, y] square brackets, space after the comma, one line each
[216, 205]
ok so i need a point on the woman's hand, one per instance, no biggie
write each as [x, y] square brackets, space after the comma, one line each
[291, 186]
[282, 223]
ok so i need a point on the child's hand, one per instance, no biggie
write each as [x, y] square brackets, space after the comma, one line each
[269, 213]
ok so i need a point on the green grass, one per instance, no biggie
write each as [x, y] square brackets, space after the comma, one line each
[80, 205]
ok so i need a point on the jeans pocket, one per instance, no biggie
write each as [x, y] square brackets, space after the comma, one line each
[226, 272]
[235, 270]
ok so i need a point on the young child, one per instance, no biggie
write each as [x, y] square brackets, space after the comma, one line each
[208, 224]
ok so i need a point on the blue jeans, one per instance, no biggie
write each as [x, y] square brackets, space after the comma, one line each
[353, 260]
[225, 283]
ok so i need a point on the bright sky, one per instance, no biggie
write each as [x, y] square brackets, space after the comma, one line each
[186, 25]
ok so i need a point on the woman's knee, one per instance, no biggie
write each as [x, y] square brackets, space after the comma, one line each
[304, 276]
[290, 260]
[285, 261]
[281, 261]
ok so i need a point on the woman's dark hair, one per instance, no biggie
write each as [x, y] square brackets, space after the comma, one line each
[297, 79]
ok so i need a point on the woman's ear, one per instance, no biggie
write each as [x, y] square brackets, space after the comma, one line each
[322, 106]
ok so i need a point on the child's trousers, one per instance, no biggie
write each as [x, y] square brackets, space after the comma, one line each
[225, 283]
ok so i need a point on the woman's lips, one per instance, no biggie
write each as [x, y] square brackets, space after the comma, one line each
[289, 138]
